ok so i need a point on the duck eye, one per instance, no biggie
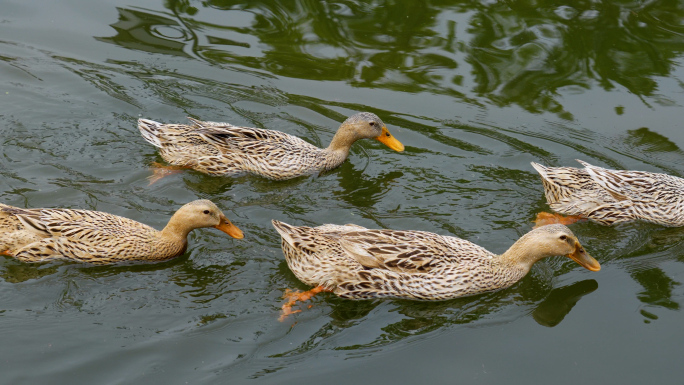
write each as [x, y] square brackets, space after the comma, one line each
[563, 237]
[372, 123]
[206, 211]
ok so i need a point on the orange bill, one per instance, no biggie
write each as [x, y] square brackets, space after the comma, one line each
[584, 259]
[227, 227]
[388, 140]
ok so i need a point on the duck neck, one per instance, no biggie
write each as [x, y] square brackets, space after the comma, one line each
[171, 241]
[175, 230]
[338, 150]
[523, 254]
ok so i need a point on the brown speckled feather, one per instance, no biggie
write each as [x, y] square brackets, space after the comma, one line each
[37, 235]
[243, 148]
[614, 196]
[224, 149]
[84, 236]
[358, 263]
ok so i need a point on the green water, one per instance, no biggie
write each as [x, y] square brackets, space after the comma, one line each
[475, 90]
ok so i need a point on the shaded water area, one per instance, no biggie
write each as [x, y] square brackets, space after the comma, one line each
[475, 90]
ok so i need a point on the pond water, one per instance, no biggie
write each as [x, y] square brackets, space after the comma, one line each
[475, 91]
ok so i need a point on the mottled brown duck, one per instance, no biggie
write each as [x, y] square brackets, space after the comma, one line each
[38, 235]
[609, 196]
[356, 263]
[224, 149]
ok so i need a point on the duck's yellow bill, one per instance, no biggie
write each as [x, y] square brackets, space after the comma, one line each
[227, 227]
[390, 141]
[584, 259]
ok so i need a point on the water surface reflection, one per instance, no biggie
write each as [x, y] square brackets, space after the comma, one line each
[519, 55]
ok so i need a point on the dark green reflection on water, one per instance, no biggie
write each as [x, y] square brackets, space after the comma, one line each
[560, 301]
[136, 31]
[658, 288]
[521, 53]
[526, 50]
[14, 271]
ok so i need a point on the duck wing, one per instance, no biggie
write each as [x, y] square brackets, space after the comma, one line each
[649, 196]
[247, 139]
[408, 251]
[82, 235]
[637, 185]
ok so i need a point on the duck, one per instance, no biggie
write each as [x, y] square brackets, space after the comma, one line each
[224, 149]
[609, 197]
[99, 238]
[354, 262]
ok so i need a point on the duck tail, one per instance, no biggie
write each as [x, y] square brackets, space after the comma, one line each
[150, 130]
[542, 170]
[284, 230]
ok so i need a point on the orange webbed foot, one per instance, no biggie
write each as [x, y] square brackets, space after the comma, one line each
[545, 218]
[159, 171]
[7, 253]
[292, 296]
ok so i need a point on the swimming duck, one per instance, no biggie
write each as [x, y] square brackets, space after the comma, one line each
[223, 149]
[612, 196]
[38, 235]
[357, 263]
